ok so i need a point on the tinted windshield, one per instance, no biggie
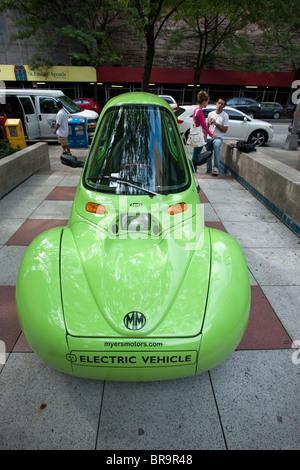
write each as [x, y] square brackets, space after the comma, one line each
[140, 145]
[69, 104]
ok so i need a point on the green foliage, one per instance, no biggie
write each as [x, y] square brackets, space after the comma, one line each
[239, 33]
[86, 26]
[6, 149]
[277, 36]
[150, 17]
[210, 23]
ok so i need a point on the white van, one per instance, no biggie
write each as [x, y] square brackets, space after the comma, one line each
[37, 111]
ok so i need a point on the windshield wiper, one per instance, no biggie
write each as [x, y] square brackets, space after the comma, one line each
[134, 184]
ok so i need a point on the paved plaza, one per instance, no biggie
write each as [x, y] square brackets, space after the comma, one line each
[250, 401]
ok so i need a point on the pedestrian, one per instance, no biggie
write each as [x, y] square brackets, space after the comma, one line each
[62, 128]
[218, 124]
[199, 118]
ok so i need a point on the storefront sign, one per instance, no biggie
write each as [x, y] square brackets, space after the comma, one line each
[54, 74]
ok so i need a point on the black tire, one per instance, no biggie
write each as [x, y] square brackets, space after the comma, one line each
[258, 138]
[276, 115]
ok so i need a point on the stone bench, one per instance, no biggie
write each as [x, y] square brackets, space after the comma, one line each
[275, 184]
[19, 166]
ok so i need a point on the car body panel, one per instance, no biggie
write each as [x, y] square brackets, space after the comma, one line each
[115, 267]
[169, 299]
[38, 300]
[224, 318]
[134, 358]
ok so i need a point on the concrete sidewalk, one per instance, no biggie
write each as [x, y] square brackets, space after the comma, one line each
[288, 157]
[250, 401]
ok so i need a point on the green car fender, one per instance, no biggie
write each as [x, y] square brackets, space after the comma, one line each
[38, 300]
[228, 302]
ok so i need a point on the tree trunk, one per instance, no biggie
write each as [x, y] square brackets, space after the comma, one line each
[196, 83]
[147, 67]
[150, 53]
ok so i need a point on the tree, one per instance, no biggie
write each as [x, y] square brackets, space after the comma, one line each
[152, 16]
[209, 24]
[279, 30]
[88, 25]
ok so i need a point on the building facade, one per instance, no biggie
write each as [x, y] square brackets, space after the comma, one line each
[172, 72]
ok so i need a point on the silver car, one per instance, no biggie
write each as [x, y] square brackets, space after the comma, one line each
[241, 127]
[169, 99]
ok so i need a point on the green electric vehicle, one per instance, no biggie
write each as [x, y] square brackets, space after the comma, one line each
[135, 287]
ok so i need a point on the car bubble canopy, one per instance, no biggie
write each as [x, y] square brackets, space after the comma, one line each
[137, 150]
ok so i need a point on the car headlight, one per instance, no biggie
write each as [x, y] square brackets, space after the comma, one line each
[92, 124]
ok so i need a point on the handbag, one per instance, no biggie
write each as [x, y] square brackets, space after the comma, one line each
[195, 138]
[246, 148]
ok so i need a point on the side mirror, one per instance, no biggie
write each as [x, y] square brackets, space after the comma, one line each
[71, 161]
[245, 119]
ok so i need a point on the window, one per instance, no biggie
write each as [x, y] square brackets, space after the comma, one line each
[141, 145]
[234, 115]
[48, 106]
[68, 104]
[27, 105]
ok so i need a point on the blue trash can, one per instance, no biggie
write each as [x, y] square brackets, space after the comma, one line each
[78, 132]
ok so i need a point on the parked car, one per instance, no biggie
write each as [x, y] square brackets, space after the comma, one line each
[135, 287]
[246, 105]
[88, 103]
[169, 99]
[271, 109]
[241, 127]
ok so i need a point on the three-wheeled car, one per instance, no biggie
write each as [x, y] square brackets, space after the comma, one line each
[135, 287]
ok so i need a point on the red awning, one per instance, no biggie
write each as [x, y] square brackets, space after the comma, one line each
[186, 76]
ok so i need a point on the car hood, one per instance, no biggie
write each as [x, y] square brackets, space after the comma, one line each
[87, 113]
[104, 279]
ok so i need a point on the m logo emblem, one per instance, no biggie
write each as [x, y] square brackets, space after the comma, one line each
[134, 321]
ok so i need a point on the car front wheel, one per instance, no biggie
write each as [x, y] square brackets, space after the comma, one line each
[276, 115]
[258, 138]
